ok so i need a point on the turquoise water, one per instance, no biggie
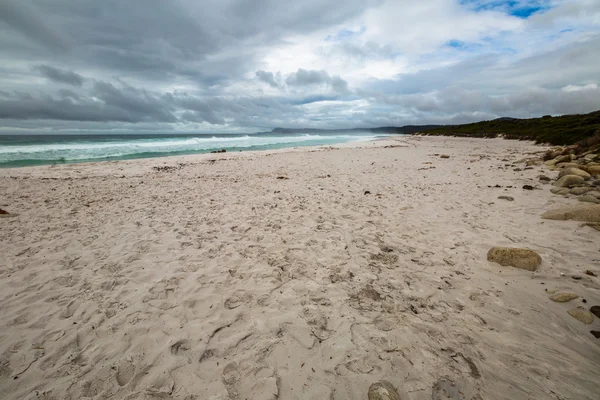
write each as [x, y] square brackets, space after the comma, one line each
[29, 150]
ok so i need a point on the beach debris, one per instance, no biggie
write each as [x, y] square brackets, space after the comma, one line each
[590, 273]
[563, 297]
[219, 151]
[509, 198]
[585, 213]
[383, 390]
[515, 257]
[595, 310]
[569, 180]
[582, 315]
[528, 187]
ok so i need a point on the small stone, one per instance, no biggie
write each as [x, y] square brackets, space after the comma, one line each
[544, 178]
[569, 180]
[590, 273]
[528, 187]
[444, 156]
[582, 315]
[506, 198]
[595, 310]
[576, 277]
[3, 212]
[383, 390]
[563, 297]
[518, 258]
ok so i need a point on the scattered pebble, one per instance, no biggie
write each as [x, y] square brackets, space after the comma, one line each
[509, 198]
[527, 187]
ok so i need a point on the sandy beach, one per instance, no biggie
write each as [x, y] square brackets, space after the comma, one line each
[296, 274]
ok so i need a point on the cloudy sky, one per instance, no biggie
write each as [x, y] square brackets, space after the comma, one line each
[251, 65]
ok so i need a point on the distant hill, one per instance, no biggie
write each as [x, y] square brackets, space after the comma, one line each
[408, 129]
[563, 130]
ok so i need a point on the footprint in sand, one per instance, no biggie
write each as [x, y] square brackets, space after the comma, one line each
[125, 371]
[70, 310]
[180, 347]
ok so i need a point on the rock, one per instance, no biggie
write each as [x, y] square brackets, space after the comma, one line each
[578, 191]
[518, 258]
[567, 165]
[595, 310]
[574, 171]
[593, 170]
[532, 162]
[557, 190]
[596, 334]
[582, 315]
[544, 178]
[563, 297]
[3, 212]
[577, 277]
[588, 198]
[590, 273]
[517, 170]
[569, 180]
[596, 182]
[586, 213]
[383, 390]
[506, 198]
[444, 156]
[594, 225]
[528, 187]
[219, 151]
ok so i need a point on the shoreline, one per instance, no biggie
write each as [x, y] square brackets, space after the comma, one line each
[304, 273]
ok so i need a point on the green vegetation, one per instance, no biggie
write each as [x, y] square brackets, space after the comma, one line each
[563, 130]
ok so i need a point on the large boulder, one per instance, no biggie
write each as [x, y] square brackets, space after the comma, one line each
[593, 170]
[568, 165]
[581, 213]
[569, 180]
[588, 198]
[574, 171]
[557, 190]
[578, 191]
[518, 258]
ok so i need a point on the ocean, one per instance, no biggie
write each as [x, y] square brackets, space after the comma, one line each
[30, 150]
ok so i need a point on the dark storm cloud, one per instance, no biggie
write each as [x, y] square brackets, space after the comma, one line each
[168, 64]
[60, 75]
[304, 77]
[24, 20]
[268, 78]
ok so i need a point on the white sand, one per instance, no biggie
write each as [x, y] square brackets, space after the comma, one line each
[219, 281]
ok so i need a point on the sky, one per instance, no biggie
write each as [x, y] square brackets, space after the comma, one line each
[252, 65]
